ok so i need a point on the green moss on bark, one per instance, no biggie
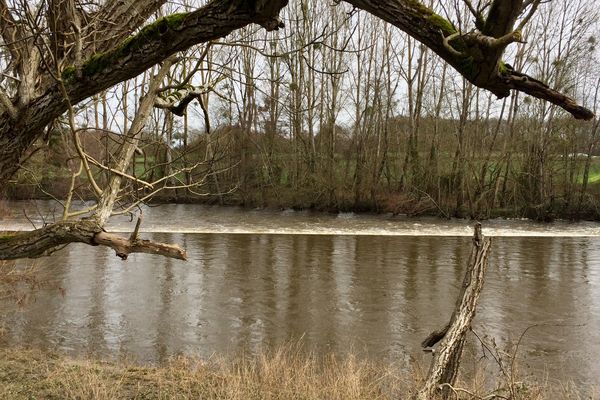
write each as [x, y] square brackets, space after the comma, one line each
[502, 69]
[68, 73]
[156, 31]
[442, 24]
[435, 19]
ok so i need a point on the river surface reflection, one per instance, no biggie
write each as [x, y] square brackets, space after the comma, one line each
[376, 295]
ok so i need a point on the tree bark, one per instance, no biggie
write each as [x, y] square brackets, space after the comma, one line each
[446, 361]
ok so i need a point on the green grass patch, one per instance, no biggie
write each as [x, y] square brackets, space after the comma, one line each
[594, 173]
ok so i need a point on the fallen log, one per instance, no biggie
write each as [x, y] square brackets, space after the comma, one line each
[446, 359]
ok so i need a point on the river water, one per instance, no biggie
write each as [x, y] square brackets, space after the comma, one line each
[373, 285]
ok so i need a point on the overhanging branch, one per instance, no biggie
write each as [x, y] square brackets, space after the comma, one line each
[535, 88]
[161, 39]
[475, 55]
[40, 242]
[150, 46]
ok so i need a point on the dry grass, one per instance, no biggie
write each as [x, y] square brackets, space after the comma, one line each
[287, 373]
[283, 374]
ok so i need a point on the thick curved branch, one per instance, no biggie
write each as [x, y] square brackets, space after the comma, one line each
[475, 55]
[44, 241]
[116, 20]
[533, 87]
[158, 41]
[501, 17]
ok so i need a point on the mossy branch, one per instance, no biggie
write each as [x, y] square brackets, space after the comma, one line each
[476, 55]
[160, 29]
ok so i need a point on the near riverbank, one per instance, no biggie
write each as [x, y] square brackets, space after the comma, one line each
[283, 374]
[286, 373]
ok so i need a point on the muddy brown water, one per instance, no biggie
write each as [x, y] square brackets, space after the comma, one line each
[372, 285]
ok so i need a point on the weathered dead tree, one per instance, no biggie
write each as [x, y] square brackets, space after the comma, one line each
[446, 360]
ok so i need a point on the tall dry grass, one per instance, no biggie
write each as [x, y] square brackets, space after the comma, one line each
[286, 373]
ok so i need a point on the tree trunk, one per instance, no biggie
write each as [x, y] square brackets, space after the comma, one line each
[446, 361]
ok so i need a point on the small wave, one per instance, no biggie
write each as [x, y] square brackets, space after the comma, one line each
[416, 230]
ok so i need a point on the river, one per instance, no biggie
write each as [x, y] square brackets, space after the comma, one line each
[373, 285]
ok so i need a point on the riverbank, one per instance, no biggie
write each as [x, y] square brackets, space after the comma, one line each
[286, 373]
[390, 204]
[572, 203]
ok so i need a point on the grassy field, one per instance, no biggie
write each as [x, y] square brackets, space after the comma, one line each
[594, 174]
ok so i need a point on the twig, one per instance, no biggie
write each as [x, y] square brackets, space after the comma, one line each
[134, 234]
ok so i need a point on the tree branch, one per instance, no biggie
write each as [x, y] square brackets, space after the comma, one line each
[501, 17]
[526, 84]
[158, 41]
[476, 55]
[151, 45]
[130, 143]
[177, 101]
[124, 246]
[43, 241]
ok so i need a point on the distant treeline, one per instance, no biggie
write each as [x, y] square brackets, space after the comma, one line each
[478, 169]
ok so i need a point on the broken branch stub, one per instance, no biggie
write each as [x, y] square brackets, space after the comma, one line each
[123, 246]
